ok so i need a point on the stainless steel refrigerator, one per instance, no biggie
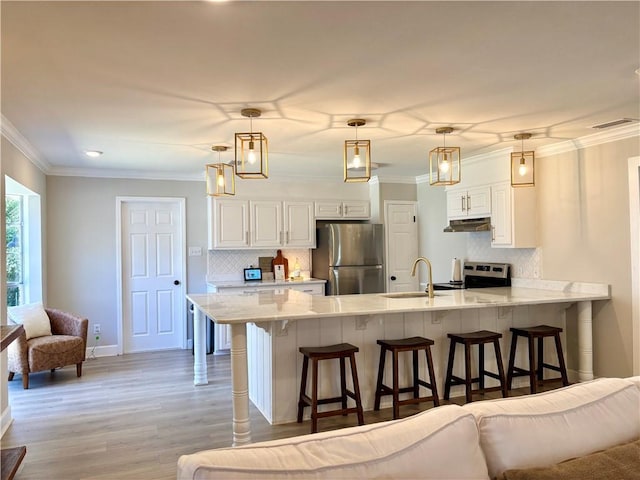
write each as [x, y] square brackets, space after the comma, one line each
[349, 256]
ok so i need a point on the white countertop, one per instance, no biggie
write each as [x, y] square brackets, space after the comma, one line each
[263, 283]
[269, 305]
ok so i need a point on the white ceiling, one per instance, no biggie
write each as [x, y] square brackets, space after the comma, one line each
[155, 84]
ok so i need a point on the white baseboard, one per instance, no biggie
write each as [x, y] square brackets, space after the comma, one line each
[102, 351]
[5, 420]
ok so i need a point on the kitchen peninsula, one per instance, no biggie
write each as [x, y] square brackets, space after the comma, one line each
[268, 327]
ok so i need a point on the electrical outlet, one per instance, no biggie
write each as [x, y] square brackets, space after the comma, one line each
[96, 329]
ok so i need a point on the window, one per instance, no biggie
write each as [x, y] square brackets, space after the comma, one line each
[23, 244]
[15, 250]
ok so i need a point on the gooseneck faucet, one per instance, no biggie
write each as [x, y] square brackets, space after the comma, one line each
[429, 288]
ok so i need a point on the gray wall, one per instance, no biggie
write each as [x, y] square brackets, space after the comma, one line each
[82, 242]
[439, 247]
[18, 167]
[583, 209]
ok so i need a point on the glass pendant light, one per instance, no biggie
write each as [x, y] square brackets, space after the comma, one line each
[357, 156]
[252, 150]
[221, 180]
[522, 164]
[444, 162]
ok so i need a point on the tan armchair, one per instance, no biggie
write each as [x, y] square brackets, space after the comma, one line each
[65, 346]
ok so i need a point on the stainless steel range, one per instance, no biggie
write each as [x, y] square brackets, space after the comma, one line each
[480, 275]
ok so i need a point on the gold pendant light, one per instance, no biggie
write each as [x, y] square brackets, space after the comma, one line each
[522, 164]
[357, 156]
[444, 162]
[221, 180]
[252, 150]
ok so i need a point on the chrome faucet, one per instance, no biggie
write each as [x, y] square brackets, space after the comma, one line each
[429, 288]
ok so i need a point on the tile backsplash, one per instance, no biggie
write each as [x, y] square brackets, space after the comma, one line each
[228, 265]
[525, 262]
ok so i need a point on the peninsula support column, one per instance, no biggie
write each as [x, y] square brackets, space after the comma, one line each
[240, 385]
[585, 341]
[199, 347]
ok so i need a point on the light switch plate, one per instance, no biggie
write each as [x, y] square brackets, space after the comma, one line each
[195, 251]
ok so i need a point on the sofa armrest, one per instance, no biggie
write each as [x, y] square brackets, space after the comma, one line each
[65, 323]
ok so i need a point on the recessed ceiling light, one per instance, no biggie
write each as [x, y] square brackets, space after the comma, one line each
[92, 153]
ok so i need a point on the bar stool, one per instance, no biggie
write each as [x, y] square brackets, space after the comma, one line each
[414, 345]
[340, 351]
[468, 340]
[538, 332]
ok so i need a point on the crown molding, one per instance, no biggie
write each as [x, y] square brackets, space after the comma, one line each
[611, 135]
[11, 133]
[131, 174]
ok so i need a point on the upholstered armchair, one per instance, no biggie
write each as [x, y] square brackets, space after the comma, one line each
[65, 346]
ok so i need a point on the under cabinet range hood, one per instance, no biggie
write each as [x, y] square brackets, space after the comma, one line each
[469, 225]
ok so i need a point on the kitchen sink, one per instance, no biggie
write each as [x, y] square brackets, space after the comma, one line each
[412, 294]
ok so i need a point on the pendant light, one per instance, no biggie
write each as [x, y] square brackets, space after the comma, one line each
[252, 152]
[522, 164]
[357, 156]
[444, 162]
[221, 180]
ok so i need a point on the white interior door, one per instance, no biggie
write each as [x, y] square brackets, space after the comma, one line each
[153, 297]
[401, 227]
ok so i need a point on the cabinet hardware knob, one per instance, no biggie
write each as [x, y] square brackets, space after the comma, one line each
[393, 277]
[176, 282]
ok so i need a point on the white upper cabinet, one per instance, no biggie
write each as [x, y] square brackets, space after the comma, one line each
[513, 216]
[238, 224]
[472, 202]
[228, 223]
[299, 224]
[266, 224]
[333, 210]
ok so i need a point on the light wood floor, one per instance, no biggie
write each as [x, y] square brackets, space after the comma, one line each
[131, 417]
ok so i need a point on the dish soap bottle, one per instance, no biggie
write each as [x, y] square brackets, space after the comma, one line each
[296, 269]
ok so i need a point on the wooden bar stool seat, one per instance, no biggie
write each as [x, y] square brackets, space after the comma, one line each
[479, 338]
[535, 372]
[414, 345]
[315, 354]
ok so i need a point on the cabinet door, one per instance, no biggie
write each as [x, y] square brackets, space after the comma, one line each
[501, 219]
[328, 210]
[478, 202]
[266, 224]
[356, 209]
[231, 223]
[299, 225]
[456, 204]
[312, 289]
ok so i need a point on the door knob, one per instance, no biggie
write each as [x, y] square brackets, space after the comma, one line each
[176, 282]
[393, 277]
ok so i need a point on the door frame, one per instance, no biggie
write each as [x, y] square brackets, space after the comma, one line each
[181, 202]
[634, 225]
[387, 203]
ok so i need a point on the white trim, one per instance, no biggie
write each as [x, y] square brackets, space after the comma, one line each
[11, 133]
[392, 179]
[6, 420]
[183, 300]
[102, 351]
[612, 135]
[634, 225]
[128, 174]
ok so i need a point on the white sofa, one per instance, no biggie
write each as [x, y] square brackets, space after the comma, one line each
[480, 440]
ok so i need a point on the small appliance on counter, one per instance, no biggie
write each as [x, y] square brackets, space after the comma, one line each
[479, 275]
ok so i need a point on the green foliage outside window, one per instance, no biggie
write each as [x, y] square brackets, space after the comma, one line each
[14, 250]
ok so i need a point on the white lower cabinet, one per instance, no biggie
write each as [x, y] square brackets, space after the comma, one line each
[513, 216]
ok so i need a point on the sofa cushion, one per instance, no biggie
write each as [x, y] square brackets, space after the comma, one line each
[441, 443]
[548, 428]
[614, 463]
[33, 318]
